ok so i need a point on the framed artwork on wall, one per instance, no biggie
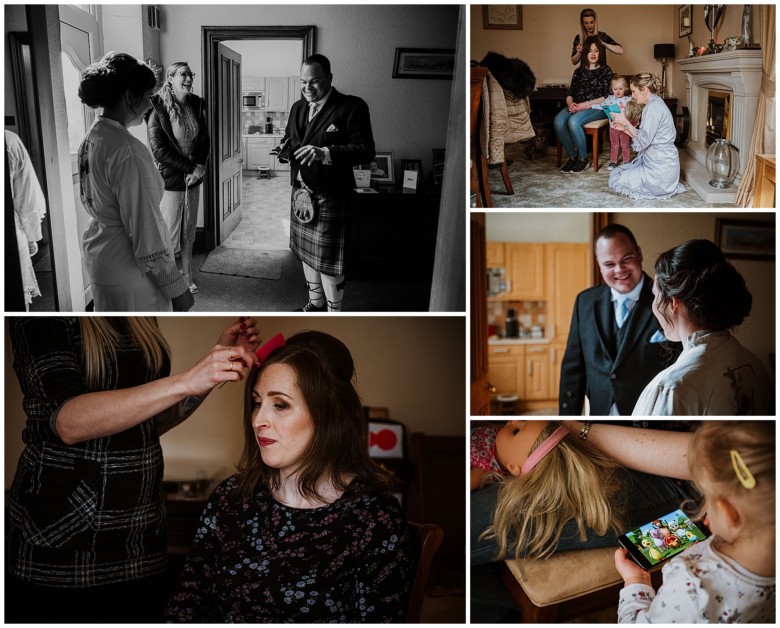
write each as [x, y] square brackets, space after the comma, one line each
[686, 19]
[745, 239]
[502, 16]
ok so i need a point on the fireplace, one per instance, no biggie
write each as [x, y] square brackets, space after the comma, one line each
[738, 74]
[718, 122]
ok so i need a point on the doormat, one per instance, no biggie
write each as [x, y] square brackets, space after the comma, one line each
[244, 263]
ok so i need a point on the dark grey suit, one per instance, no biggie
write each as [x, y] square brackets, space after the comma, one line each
[606, 363]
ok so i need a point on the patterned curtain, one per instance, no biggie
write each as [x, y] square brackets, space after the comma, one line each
[763, 140]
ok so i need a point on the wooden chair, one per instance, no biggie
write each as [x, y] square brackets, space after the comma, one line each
[427, 539]
[596, 130]
[566, 585]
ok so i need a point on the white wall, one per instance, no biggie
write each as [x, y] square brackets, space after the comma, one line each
[414, 366]
[529, 227]
[408, 116]
[275, 57]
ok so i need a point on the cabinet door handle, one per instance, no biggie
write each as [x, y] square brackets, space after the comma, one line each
[502, 350]
[509, 285]
[535, 349]
[530, 368]
[552, 355]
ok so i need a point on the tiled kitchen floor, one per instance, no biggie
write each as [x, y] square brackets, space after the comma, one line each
[266, 214]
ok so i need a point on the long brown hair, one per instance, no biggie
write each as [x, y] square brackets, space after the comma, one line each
[338, 452]
[99, 339]
[583, 33]
[593, 39]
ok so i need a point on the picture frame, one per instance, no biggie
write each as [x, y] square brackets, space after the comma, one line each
[686, 19]
[381, 167]
[745, 239]
[424, 63]
[502, 16]
[413, 164]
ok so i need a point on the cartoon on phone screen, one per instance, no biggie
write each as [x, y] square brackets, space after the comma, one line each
[663, 538]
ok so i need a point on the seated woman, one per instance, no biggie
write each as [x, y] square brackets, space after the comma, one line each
[655, 171]
[699, 298]
[306, 530]
[590, 85]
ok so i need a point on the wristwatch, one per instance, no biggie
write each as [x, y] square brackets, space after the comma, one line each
[625, 128]
[585, 429]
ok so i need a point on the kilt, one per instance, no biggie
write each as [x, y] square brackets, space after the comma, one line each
[321, 243]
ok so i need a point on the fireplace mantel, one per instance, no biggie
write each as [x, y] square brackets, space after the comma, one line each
[736, 71]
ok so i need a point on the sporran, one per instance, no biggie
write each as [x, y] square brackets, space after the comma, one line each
[304, 205]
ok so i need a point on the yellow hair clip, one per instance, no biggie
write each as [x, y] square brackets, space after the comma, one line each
[745, 477]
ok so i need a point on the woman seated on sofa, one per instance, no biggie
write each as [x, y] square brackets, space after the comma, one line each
[655, 171]
[590, 85]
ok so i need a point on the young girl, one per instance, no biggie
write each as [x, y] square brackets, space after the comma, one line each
[618, 140]
[550, 481]
[730, 577]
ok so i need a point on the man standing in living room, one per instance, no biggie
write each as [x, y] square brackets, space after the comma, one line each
[615, 344]
[328, 133]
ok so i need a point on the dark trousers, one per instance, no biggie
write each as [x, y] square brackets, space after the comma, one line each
[135, 602]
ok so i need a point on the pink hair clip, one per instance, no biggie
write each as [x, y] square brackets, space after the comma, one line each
[265, 350]
[542, 450]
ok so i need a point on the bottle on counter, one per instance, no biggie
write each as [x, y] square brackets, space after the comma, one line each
[512, 329]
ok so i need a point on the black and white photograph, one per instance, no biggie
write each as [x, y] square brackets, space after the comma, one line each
[234, 130]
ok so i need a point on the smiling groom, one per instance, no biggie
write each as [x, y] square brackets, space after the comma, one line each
[328, 133]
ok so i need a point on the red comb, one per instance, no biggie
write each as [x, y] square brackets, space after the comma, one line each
[265, 350]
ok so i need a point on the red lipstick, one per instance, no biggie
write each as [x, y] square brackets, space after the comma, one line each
[265, 442]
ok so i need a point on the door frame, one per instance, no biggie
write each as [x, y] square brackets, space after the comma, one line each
[211, 36]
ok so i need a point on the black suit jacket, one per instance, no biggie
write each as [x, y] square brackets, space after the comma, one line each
[344, 126]
[600, 366]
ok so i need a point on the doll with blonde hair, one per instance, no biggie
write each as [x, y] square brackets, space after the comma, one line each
[551, 480]
[730, 577]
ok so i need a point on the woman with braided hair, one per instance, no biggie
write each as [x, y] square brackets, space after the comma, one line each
[699, 298]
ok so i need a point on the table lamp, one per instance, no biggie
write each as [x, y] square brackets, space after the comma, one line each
[663, 52]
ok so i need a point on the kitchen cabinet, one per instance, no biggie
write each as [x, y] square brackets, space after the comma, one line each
[253, 84]
[494, 255]
[293, 90]
[505, 369]
[276, 97]
[525, 271]
[258, 152]
[569, 268]
[537, 373]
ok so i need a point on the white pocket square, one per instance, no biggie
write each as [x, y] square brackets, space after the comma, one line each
[332, 128]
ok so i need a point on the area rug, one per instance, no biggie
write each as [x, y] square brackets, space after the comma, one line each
[539, 183]
[244, 263]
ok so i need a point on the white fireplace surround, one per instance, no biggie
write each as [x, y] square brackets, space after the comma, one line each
[736, 71]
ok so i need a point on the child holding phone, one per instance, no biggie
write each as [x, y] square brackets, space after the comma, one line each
[618, 140]
[729, 577]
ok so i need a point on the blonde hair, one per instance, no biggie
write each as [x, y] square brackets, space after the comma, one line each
[710, 464]
[645, 79]
[99, 339]
[583, 33]
[166, 91]
[618, 77]
[633, 111]
[570, 483]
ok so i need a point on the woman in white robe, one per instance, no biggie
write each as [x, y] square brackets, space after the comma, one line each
[699, 298]
[655, 171]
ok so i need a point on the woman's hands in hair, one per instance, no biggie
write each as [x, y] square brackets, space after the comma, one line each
[221, 364]
[243, 332]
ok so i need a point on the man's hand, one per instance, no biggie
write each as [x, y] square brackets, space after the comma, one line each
[308, 154]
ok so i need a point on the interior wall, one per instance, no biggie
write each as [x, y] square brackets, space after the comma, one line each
[408, 116]
[530, 227]
[657, 233]
[414, 366]
[548, 32]
[276, 57]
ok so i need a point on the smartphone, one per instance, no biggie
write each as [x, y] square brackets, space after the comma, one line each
[657, 541]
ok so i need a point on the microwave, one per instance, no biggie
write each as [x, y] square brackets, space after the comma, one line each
[252, 100]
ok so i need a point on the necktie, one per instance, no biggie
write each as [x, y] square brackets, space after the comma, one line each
[622, 311]
[313, 108]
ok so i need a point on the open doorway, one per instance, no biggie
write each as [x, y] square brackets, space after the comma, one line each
[222, 72]
[269, 87]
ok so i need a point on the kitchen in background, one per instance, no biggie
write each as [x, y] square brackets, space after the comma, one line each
[536, 265]
[270, 84]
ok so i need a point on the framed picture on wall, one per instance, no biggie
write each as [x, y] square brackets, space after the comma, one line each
[745, 239]
[686, 19]
[502, 16]
[424, 63]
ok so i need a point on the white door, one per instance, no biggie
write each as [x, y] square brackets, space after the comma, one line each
[229, 139]
[80, 40]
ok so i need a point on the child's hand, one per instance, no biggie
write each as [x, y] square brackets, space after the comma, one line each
[629, 570]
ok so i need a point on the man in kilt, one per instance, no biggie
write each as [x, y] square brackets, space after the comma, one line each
[327, 134]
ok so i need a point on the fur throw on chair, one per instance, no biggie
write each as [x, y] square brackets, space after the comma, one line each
[514, 75]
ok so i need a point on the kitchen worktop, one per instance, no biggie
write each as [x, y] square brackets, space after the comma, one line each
[495, 340]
